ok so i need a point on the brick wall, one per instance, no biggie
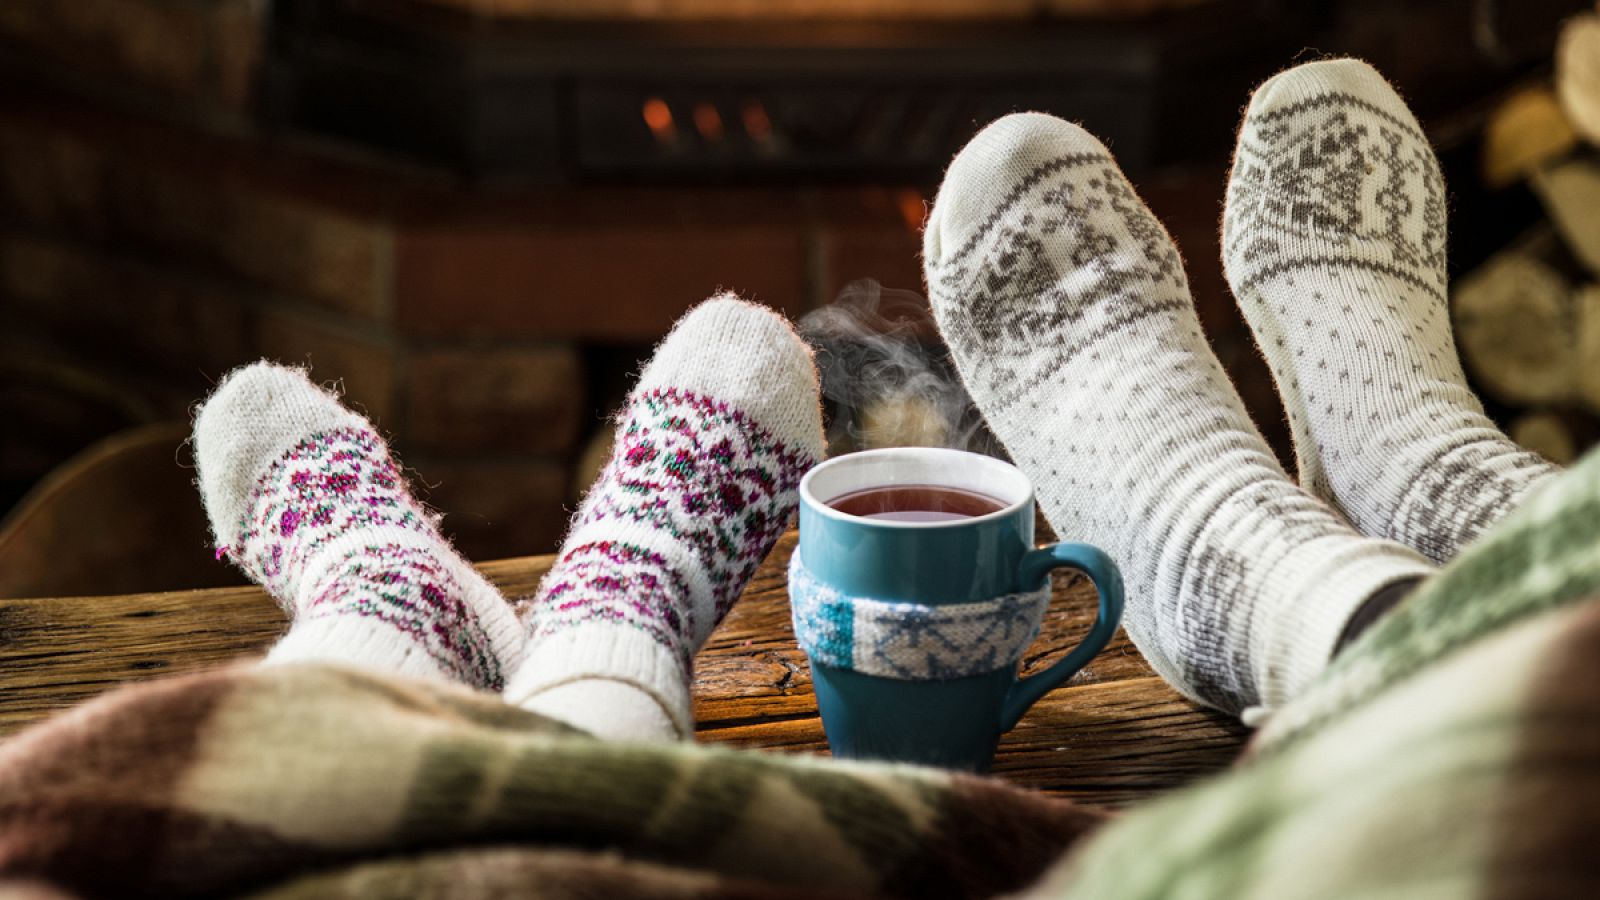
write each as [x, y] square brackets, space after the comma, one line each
[200, 55]
[141, 260]
[152, 237]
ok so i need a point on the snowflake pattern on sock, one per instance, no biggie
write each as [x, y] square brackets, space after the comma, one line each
[340, 484]
[1301, 187]
[1120, 257]
[1334, 239]
[689, 472]
[1068, 315]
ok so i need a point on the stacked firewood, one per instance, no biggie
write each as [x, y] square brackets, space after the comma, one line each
[1528, 319]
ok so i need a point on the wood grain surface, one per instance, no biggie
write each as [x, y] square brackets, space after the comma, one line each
[1113, 734]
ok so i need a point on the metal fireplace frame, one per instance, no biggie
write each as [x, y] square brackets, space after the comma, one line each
[788, 101]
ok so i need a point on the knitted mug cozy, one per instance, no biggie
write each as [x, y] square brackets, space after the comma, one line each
[909, 641]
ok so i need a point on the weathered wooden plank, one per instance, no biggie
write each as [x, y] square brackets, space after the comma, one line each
[1107, 743]
[1113, 734]
[55, 652]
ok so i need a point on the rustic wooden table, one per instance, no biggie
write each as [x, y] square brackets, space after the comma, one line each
[1113, 734]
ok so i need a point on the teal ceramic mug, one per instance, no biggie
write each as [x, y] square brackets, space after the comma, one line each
[914, 629]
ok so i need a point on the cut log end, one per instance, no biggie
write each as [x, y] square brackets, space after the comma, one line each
[1527, 131]
[1547, 434]
[1513, 319]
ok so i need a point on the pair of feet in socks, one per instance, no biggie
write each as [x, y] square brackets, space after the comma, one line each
[1066, 306]
[304, 496]
[1067, 310]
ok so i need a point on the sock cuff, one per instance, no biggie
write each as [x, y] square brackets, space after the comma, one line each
[359, 641]
[1316, 599]
[602, 651]
[507, 637]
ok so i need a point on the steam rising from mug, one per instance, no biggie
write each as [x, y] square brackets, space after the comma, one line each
[887, 380]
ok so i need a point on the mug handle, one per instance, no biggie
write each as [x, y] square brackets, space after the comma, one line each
[1036, 566]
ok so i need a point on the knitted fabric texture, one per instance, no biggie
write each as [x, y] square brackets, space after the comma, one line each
[1067, 311]
[1450, 756]
[702, 479]
[336, 498]
[1445, 753]
[328, 527]
[911, 641]
[690, 470]
[1334, 244]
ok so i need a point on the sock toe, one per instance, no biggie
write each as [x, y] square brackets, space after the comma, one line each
[1017, 149]
[748, 356]
[255, 414]
[1308, 82]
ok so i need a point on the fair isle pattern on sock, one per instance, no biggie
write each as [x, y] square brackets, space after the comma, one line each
[331, 526]
[619, 583]
[1067, 310]
[703, 476]
[689, 472]
[1334, 244]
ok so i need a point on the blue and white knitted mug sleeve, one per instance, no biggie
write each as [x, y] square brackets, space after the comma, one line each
[911, 641]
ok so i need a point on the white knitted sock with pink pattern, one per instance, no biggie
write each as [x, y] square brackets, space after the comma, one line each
[702, 480]
[303, 496]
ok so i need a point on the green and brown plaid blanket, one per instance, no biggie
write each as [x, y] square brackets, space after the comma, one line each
[1453, 752]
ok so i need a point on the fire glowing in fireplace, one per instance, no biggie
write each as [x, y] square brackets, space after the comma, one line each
[658, 115]
[708, 122]
[756, 123]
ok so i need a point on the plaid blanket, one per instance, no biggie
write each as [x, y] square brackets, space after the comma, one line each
[1450, 753]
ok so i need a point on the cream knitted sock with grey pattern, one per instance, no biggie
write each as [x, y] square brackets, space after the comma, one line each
[1067, 309]
[1334, 243]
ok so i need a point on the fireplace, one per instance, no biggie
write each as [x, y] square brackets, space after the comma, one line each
[884, 95]
[478, 215]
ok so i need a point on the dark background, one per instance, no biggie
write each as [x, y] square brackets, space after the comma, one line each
[478, 217]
